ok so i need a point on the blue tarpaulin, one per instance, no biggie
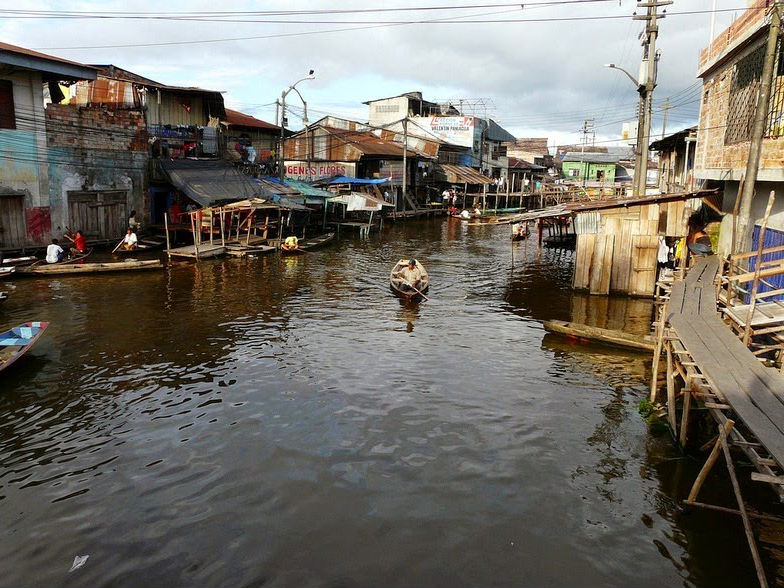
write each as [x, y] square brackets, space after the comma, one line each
[349, 180]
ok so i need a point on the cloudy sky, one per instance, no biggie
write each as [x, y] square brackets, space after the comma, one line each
[537, 69]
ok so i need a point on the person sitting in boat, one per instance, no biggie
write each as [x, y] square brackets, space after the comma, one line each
[79, 243]
[132, 222]
[291, 243]
[130, 241]
[465, 215]
[410, 276]
[54, 253]
[476, 213]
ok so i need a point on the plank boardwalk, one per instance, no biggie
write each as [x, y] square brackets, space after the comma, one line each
[755, 393]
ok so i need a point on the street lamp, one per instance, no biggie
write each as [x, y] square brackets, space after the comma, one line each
[283, 95]
[643, 128]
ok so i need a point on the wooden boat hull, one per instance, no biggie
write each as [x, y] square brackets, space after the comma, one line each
[15, 342]
[598, 335]
[17, 261]
[319, 241]
[56, 269]
[6, 271]
[297, 251]
[405, 294]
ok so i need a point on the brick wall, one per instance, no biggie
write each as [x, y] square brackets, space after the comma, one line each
[743, 27]
[95, 128]
[713, 157]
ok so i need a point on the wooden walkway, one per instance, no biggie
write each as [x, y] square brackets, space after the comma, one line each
[736, 376]
[745, 398]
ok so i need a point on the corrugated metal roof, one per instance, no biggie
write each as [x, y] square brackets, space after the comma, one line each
[240, 119]
[460, 174]
[370, 144]
[517, 163]
[47, 63]
[496, 132]
[209, 181]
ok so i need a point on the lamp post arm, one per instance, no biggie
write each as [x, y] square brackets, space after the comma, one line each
[628, 75]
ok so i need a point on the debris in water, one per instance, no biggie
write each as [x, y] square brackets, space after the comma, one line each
[78, 562]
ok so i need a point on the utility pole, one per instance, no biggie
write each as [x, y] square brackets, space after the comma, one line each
[647, 83]
[666, 108]
[405, 161]
[587, 129]
[745, 225]
[281, 171]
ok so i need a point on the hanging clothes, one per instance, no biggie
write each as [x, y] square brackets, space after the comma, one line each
[663, 254]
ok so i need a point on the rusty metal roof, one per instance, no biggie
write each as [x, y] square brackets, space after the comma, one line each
[370, 144]
[461, 174]
[29, 59]
[239, 119]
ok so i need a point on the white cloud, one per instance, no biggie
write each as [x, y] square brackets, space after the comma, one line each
[544, 78]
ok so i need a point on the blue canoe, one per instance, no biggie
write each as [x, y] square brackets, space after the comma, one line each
[16, 342]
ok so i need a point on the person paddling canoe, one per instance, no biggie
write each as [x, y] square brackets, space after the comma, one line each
[411, 276]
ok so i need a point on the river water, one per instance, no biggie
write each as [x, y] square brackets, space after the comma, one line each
[288, 422]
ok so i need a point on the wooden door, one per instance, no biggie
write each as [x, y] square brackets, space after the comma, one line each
[99, 214]
[593, 264]
[13, 233]
[643, 277]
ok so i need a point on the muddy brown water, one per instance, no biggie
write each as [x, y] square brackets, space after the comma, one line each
[288, 422]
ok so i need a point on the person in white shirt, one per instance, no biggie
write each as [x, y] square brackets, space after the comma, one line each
[445, 196]
[130, 240]
[54, 252]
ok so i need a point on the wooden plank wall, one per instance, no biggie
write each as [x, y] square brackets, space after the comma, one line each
[626, 262]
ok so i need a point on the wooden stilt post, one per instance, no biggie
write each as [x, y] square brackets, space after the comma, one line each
[166, 228]
[212, 218]
[742, 508]
[195, 236]
[223, 226]
[757, 269]
[685, 415]
[671, 392]
[714, 455]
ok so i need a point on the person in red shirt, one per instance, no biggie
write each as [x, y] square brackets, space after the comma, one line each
[79, 241]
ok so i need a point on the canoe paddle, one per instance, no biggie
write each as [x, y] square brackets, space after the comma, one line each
[118, 245]
[420, 293]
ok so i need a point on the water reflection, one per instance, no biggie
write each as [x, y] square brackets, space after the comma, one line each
[287, 420]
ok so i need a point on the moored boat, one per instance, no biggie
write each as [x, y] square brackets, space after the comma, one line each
[399, 288]
[89, 268]
[7, 271]
[17, 341]
[14, 261]
[319, 241]
[65, 261]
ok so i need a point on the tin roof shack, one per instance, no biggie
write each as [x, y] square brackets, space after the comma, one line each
[181, 120]
[26, 213]
[483, 137]
[731, 68]
[354, 150]
[676, 161]
[618, 240]
[244, 131]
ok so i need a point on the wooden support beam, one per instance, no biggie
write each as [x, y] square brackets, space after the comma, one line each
[716, 507]
[757, 477]
[671, 393]
[714, 455]
[742, 508]
[685, 416]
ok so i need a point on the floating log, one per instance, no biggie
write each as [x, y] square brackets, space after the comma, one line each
[598, 335]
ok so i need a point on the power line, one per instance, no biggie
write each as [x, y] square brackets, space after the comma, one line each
[377, 24]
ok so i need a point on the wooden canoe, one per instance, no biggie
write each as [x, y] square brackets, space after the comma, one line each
[15, 342]
[7, 271]
[54, 269]
[319, 241]
[598, 335]
[67, 260]
[398, 288]
[14, 261]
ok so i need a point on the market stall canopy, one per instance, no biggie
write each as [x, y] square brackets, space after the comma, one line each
[356, 201]
[460, 174]
[311, 194]
[209, 182]
[350, 180]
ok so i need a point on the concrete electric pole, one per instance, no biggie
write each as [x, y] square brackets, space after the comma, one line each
[745, 226]
[647, 82]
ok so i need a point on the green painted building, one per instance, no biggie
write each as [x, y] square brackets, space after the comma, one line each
[590, 167]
